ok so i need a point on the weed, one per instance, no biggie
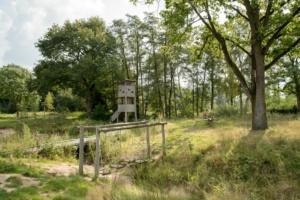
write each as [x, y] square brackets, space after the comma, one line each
[13, 182]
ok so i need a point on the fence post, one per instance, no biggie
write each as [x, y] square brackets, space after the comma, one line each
[97, 156]
[81, 150]
[148, 142]
[163, 139]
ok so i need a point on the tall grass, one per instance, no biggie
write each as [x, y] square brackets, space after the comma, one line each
[227, 161]
[222, 160]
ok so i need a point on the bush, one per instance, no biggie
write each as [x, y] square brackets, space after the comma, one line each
[226, 111]
[100, 113]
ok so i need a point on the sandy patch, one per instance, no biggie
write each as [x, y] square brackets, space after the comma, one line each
[66, 169]
[5, 132]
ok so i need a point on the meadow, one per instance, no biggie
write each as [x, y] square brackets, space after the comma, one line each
[219, 160]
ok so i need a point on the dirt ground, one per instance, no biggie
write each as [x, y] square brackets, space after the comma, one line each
[26, 181]
[65, 169]
[61, 169]
[5, 132]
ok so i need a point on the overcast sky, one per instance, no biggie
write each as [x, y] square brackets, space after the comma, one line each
[23, 22]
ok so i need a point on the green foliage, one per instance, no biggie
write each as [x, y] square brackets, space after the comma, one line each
[14, 86]
[48, 102]
[283, 105]
[78, 55]
[67, 101]
[101, 113]
[225, 111]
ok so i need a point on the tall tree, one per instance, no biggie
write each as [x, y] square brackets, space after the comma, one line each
[81, 50]
[268, 30]
[154, 41]
[14, 85]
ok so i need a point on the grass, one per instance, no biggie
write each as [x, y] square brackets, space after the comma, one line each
[223, 160]
[227, 161]
[13, 182]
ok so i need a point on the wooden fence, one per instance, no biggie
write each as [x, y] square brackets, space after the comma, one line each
[115, 127]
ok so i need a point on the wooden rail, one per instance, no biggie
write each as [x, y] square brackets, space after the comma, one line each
[115, 127]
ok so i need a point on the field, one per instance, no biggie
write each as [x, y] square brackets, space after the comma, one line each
[221, 160]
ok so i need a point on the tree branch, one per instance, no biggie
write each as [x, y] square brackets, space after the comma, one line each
[239, 46]
[224, 47]
[277, 34]
[268, 13]
[268, 66]
[272, 11]
[239, 12]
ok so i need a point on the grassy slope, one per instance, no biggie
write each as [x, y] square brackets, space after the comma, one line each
[228, 161]
[225, 160]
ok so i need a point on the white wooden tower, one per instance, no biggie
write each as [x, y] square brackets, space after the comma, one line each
[126, 100]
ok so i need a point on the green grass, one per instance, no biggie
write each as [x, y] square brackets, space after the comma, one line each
[228, 161]
[13, 182]
[222, 160]
[24, 193]
[8, 166]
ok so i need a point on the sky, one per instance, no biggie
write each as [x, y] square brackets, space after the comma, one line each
[23, 22]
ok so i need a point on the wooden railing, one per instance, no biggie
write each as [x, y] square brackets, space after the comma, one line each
[115, 127]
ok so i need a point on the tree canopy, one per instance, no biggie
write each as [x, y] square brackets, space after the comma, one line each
[263, 32]
[14, 85]
[78, 53]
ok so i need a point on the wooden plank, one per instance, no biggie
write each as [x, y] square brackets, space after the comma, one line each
[97, 155]
[81, 153]
[148, 142]
[131, 126]
[114, 125]
[163, 139]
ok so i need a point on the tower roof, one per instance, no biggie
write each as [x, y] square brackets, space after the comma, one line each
[127, 82]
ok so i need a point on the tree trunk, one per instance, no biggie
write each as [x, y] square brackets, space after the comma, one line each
[165, 89]
[89, 104]
[193, 95]
[161, 107]
[137, 75]
[258, 104]
[298, 102]
[142, 107]
[203, 90]
[241, 100]
[212, 81]
[174, 94]
[171, 89]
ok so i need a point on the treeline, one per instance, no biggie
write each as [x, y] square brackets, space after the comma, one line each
[83, 61]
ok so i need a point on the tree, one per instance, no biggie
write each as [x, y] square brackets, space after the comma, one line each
[265, 32]
[48, 102]
[80, 52]
[13, 85]
[286, 77]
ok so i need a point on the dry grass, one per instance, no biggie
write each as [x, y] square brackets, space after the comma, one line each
[222, 160]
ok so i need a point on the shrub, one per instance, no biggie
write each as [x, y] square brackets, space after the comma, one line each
[226, 111]
[100, 113]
